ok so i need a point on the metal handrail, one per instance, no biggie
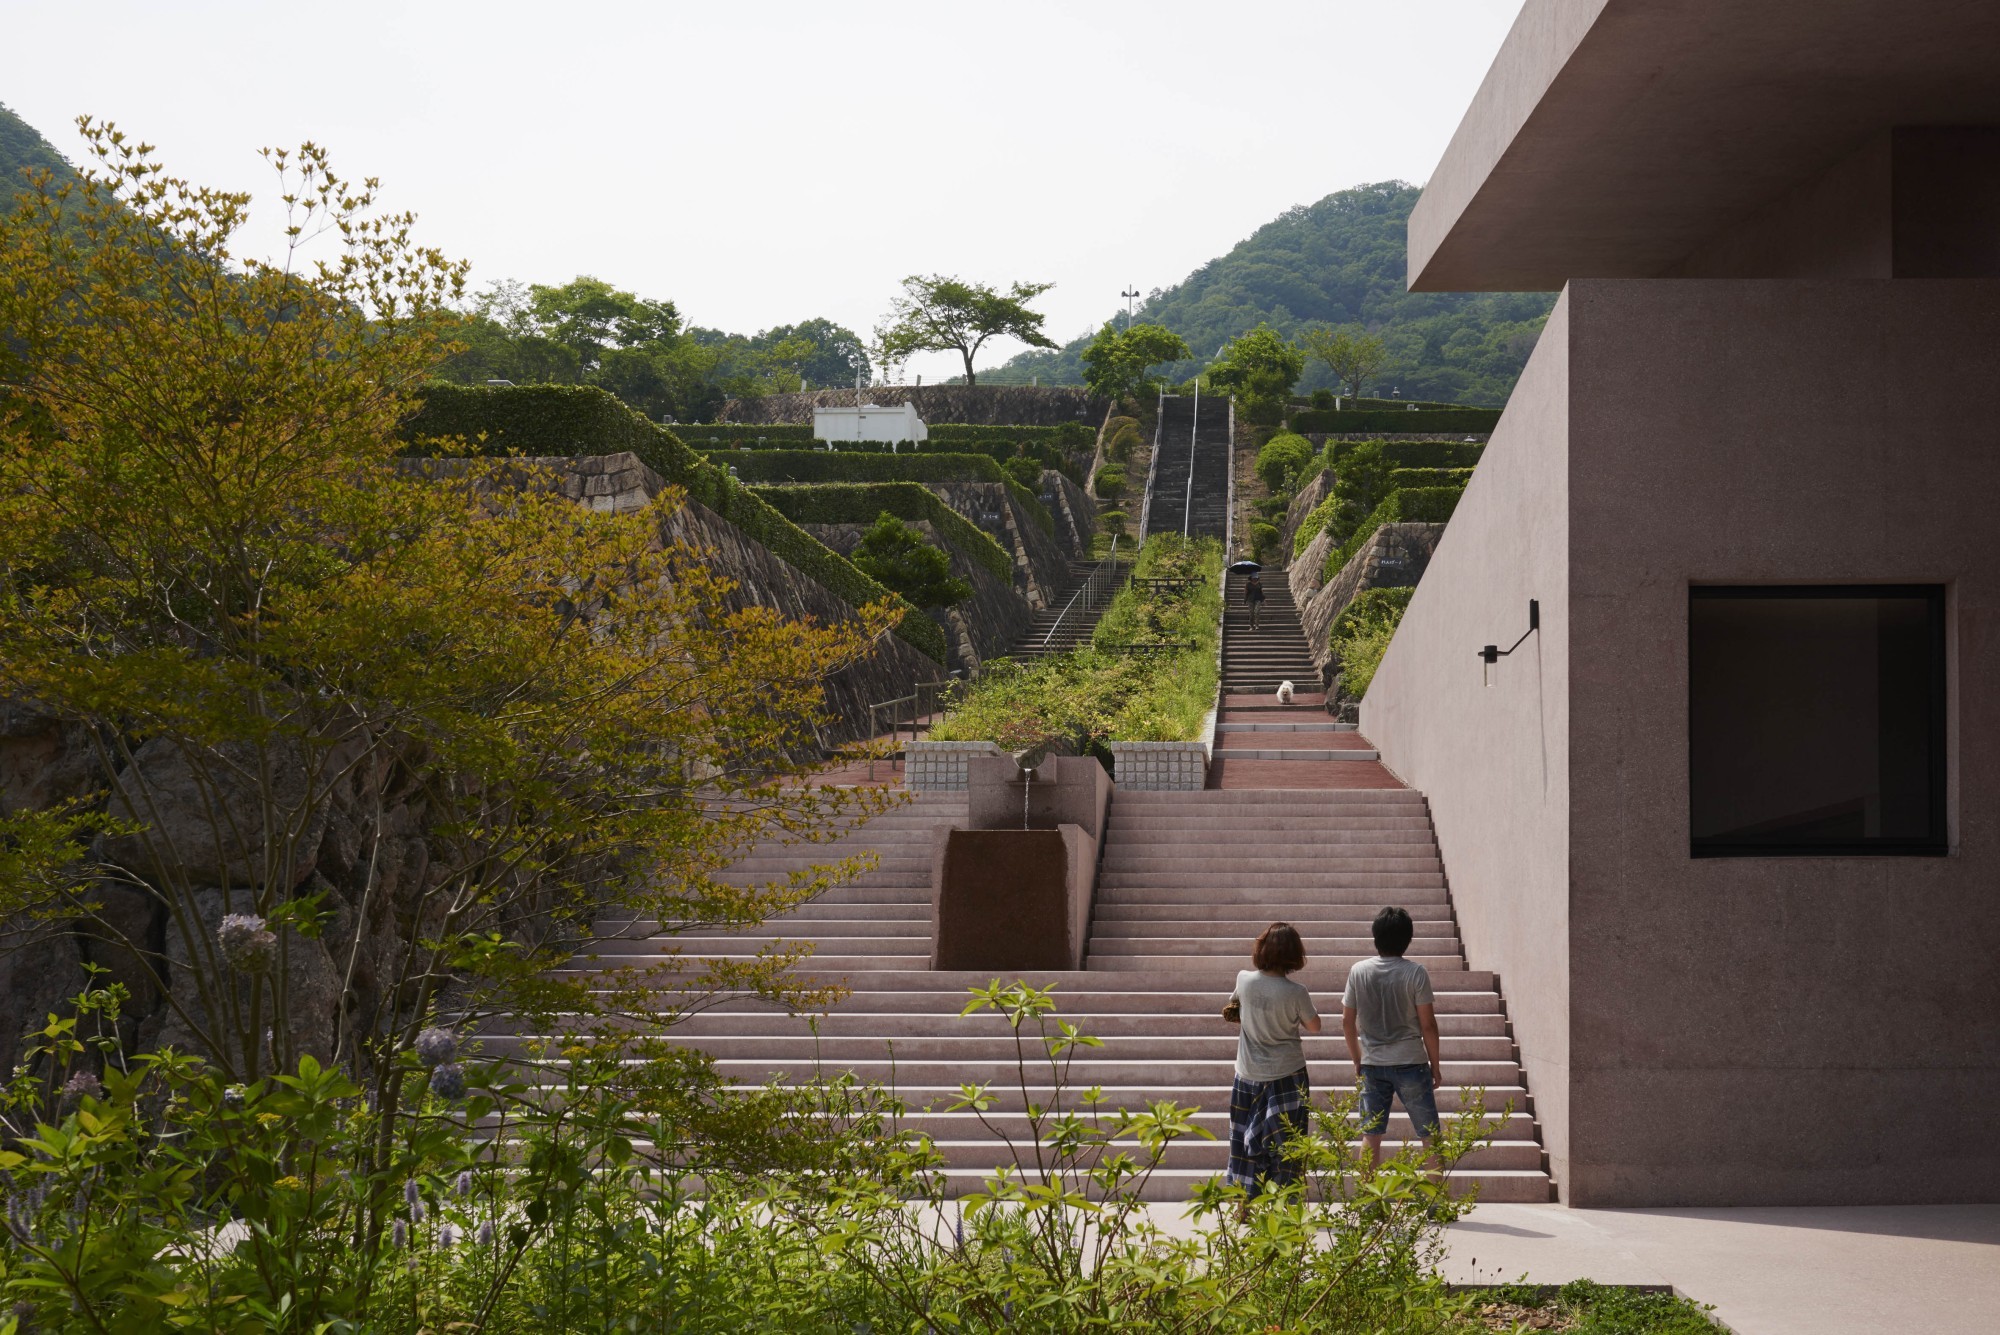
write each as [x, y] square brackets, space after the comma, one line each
[1090, 592]
[1152, 463]
[940, 692]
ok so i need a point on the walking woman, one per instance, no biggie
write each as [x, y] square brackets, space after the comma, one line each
[1268, 1101]
[1253, 594]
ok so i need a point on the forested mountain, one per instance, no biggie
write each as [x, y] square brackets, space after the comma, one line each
[22, 148]
[1338, 262]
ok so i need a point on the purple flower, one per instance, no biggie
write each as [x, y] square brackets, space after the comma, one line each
[232, 1098]
[448, 1082]
[436, 1046]
[247, 943]
[465, 1184]
[82, 1084]
[447, 1235]
[485, 1234]
[399, 1233]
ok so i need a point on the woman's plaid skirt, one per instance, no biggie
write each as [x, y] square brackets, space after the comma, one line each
[1261, 1114]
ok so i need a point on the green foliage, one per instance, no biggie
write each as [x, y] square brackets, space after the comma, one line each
[576, 420]
[755, 466]
[1025, 471]
[1404, 478]
[1118, 362]
[1406, 421]
[1351, 353]
[1341, 261]
[1098, 694]
[1114, 521]
[1282, 459]
[1122, 439]
[1408, 453]
[897, 556]
[1360, 635]
[1264, 540]
[861, 502]
[1110, 483]
[1421, 505]
[1583, 1307]
[24, 151]
[939, 314]
[1260, 368]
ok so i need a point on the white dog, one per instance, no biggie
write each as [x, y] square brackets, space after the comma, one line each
[1284, 692]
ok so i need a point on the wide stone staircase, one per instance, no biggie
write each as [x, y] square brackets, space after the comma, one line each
[1193, 440]
[1188, 881]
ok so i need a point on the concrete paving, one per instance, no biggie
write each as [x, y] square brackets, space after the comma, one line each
[1805, 1270]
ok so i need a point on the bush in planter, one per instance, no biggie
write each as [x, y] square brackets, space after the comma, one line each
[1110, 483]
[896, 555]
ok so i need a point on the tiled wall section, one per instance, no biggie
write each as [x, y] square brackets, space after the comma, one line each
[1157, 767]
[941, 766]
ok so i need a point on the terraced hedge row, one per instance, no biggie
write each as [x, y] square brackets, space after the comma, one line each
[574, 421]
[1418, 505]
[820, 466]
[862, 502]
[1403, 420]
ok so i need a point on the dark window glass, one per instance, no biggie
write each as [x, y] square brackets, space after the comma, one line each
[1816, 720]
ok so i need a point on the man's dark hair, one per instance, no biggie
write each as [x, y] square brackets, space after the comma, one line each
[1393, 931]
[1279, 949]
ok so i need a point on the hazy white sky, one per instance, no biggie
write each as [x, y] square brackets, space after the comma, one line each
[760, 163]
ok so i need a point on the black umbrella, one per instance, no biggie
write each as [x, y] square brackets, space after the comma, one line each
[1246, 565]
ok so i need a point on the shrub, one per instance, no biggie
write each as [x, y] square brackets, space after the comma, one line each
[1122, 439]
[1360, 635]
[1409, 453]
[1025, 471]
[1349, 421]
[896, 555]
[1323, 399]
[1401, 479]
[1113, 522]
[1264, 538]
[1282, 459]
[862, 502]
[1110, 483]
[577, 420]
[1311, 526]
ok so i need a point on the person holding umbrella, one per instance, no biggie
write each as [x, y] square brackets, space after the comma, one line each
[1253, 588]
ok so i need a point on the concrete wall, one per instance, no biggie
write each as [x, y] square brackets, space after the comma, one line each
[1776, 1030]
[1494, 759]
[1730, 1030]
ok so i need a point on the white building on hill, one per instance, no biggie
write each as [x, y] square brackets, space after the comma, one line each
[869, 422]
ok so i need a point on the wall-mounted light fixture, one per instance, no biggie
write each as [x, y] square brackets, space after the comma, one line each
[1493, 653]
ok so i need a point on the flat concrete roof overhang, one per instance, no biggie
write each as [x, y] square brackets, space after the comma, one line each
[1612, 137]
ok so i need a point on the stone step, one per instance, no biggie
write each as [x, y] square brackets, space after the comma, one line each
[1292, 753]
[1101, 997]
[1251, 797]
[1223, 917]
[847, 1023]
[986, 1051]
[1379, 881]
[1209, 953]
[1273, 899]
[1325, 976]
[1137, 860]
[1185, 1075]
[1493, 1186]
[1317, 841]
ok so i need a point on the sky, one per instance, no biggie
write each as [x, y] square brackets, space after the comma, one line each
[764, 163]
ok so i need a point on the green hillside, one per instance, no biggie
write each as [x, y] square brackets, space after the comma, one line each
[22, 148]
[1340, 261]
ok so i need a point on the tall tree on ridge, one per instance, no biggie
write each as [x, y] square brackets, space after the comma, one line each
[939, 314]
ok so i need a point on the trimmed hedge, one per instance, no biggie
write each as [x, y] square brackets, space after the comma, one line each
[1401, 479]
[1412, 453]
[1360, 635]
[1402, 420]
[574, 421]
[794, 435]
[766, 466]
[862, 502]
[1419, 505]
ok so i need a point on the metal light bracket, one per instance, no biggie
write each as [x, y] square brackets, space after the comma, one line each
[1493, 653]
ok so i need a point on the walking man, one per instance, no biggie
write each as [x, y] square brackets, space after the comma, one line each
[1390, 1021]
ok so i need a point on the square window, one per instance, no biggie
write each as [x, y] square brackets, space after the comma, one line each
[1816, 720]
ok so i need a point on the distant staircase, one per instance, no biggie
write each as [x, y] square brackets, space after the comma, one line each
[1254, 662]
[1187, 489]
[1070, 619]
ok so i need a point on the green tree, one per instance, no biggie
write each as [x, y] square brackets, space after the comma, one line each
[1260, 368]
[896, 555]
[1025, 470]
[1110, 483]
[831, 351]
[1283, 457]
[1351, 353]
[939, 314]
[1117, 361]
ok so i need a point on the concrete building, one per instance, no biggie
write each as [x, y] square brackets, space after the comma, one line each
[1727, 822]
[869, 422]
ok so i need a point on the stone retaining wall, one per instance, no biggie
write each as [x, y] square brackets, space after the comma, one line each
[1155, 767]
[942, 766]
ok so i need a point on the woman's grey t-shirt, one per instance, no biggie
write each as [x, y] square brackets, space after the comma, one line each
[1384, 994]
[1274, 1010]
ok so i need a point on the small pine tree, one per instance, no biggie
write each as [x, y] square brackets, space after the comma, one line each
[898, 557]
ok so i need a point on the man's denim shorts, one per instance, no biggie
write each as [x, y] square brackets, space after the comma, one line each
[1411, 1084]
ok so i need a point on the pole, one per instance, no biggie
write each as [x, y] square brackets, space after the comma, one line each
[1194, 429]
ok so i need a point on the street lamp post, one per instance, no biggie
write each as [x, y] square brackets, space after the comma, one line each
[1129, 294]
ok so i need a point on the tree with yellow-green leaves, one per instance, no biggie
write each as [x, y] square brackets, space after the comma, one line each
[365, 743]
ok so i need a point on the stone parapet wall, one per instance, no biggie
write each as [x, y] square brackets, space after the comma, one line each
[976, 405]
[1304, 503]
[942, 767]
[1158, 767]
[1041, 568]
[1075, 513]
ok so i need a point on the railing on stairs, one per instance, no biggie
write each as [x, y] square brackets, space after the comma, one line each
[911, 709]
[1152, 463]
[1096, 590]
